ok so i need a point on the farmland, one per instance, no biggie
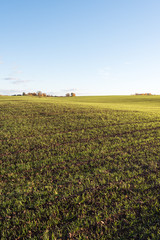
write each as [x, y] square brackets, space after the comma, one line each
[80, 168]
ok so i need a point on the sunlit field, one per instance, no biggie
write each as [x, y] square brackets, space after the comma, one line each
[80, 167]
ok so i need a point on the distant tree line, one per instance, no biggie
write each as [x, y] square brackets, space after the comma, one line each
[70, 94]
[143, 94]
[41, 94]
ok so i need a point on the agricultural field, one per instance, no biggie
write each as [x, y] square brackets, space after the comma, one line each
[80, 168]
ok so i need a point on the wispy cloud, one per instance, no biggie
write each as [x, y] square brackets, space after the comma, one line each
[11, 91]
[62, 92]
[15, 80]
[19, 81]
[70, 90]
[10, 78]
[17, 71]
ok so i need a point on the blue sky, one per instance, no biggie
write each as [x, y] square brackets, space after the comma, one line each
[90, 47]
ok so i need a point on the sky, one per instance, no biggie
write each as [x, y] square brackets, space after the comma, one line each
[90, 47]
